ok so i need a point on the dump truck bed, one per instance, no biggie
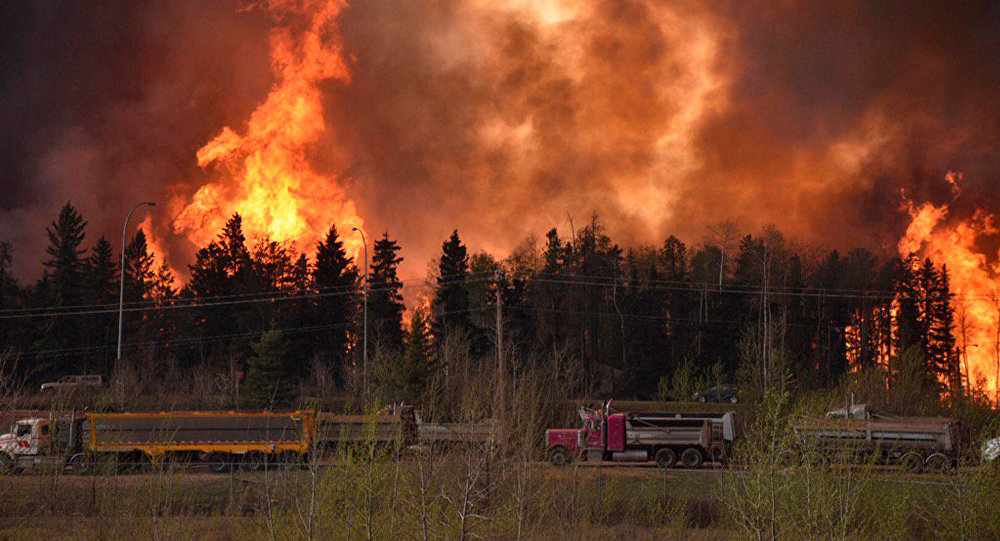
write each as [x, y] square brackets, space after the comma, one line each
[206, 431]
[925, 433]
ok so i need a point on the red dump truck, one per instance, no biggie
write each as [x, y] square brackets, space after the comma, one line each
[916, 443]
[223, 440]
[668, 438]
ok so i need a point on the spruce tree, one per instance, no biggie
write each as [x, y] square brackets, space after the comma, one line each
[102, 289]
[62, 285]
[336, 280]
[451, 297]
[139, 272]
[65, 263]
[411, 375]
[269, 382]
[385, 299]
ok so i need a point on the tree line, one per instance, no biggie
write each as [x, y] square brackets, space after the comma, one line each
[638, 321]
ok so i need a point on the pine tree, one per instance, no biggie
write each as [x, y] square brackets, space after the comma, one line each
[269, 382]
[411, 374]
[451, 298]
[385, 300]
[102, 273]
[10, 297]
[62, 285]
[234, 247]
[139, 272]
[102, 289]
[65, 263]
[336, 279]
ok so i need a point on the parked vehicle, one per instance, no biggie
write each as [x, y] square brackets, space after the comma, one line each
[664, 437]
[223, 440]
[916, 443]
[719, 393]
[991, 451]
[84, 381]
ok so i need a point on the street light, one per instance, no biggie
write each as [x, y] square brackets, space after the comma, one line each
[364, 241]
[121, 274]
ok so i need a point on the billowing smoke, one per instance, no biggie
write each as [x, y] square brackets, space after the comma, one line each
[505, 118]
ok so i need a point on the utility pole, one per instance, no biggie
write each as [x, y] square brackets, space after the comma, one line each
[500, 364]
[364, 365]
[121, 275]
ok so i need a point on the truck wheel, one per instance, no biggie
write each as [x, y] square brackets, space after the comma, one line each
[912, 462]
[219, 462]
[288, 460]
[666, 457]
[692, 458]
[6, 464]
[254, 461]
[81, 463]
[718, 452]
[559, 457]
[937, 463]
[815, 459]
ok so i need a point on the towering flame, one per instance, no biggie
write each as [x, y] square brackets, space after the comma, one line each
[264, 173]
[974, 281]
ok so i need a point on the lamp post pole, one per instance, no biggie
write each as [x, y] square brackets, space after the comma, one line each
[121, 274]
[364, 365]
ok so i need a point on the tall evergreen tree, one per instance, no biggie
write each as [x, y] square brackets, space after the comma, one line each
[336, 280]
[139, 272]
[411, 375]
[385, 299]
[102, 289]
[65, 263]
[269, 382]
[451, 298]
[63, 285]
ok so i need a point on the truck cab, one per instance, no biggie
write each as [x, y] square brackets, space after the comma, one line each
[36, 441]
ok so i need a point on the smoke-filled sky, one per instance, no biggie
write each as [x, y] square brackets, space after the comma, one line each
[504, 118]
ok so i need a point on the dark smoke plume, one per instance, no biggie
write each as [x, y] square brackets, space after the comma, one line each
[502, 118]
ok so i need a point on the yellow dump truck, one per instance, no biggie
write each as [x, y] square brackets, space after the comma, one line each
[223, 440]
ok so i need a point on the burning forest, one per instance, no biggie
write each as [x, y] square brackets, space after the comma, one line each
[492, 213]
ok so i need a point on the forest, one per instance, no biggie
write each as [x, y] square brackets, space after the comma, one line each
[648, 322]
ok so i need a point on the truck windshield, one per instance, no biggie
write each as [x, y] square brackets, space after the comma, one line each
[22, 430]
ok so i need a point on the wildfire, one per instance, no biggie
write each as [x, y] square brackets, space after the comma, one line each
[264, 173]
[974, 281]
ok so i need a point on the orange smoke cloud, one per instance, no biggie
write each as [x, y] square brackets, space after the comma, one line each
[265, 174]
[974, 281]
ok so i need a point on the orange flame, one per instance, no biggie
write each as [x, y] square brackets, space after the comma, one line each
[974, 281]
[265, 172]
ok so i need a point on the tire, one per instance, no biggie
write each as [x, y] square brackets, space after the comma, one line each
[733, 400]
[815, 459]
[82, 464]
[937, 462]
[666, 457]
[288, 460]
[912, 462]
[692, 458]
[6, 464]
[254, 461]
[719, 453]
[220, 462]
[559, 457]
[789, 459]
